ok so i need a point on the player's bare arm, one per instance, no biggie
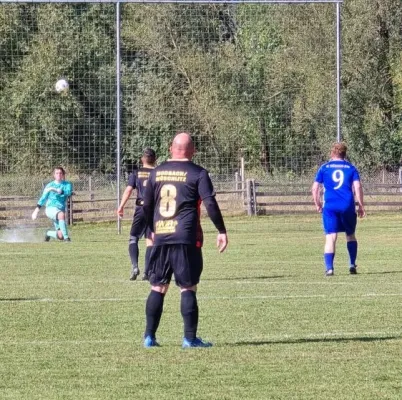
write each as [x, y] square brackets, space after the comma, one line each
[35, 213]
[124, 199]
[315, 190]
[222, 242]
[358, 189]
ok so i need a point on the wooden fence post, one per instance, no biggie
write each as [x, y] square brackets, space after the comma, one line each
[69, 210]
[91, 193]
[254, 196]
[242, 177]
[238, 186]
[250, 196]
[400, 178]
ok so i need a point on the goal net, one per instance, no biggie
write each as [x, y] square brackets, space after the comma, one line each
[254, 83]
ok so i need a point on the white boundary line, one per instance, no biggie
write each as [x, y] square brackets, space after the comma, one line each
[4, 301]
[125, 282]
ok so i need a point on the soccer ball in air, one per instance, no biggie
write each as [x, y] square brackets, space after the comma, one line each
[61, 85]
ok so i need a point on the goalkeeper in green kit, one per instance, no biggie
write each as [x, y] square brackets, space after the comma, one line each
[55, 197]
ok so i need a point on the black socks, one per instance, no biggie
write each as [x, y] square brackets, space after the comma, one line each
[189, 311]
[153, 312]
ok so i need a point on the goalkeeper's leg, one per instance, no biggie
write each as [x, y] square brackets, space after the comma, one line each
[63, 225]
[53, 234]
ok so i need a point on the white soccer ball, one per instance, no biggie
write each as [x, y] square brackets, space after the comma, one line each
[61, 85]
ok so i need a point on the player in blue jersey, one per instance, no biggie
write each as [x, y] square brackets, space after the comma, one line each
[342, 187]
[55, 197]
[138, 180]
[171, 204]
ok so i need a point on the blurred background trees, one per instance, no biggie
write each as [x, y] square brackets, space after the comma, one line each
[252, 81]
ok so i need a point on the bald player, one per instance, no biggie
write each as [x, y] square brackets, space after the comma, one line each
[172, 203]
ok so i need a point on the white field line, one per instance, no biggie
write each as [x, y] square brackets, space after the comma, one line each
[257, 297]
[300, 296]
[324, 282]
[277, 282]
[270, 339]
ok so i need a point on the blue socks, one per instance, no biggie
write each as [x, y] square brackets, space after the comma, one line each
[329, 261]
[352, 249]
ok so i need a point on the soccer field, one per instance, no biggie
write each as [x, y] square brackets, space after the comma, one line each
[72, 323]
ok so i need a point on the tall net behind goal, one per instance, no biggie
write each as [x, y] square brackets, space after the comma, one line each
[251, 82]
[41, 128]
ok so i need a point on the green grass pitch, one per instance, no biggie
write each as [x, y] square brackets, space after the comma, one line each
[72, 323]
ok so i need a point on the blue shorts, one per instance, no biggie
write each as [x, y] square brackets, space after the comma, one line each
[339, 221]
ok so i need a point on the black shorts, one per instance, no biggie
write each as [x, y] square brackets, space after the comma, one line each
[182, 260]
[139, 227]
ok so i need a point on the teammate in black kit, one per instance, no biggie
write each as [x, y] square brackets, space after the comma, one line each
[138, 180]
[172, 204]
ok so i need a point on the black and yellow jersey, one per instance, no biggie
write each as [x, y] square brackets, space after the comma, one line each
[172, 201]
[138, 180]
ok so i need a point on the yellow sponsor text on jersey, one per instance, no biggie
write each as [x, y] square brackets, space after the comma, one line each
[171, 176]
[162, 227]
[143, 174]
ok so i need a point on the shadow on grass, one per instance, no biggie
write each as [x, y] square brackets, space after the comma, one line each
[11, 299]
[382, 272]
[317, 340]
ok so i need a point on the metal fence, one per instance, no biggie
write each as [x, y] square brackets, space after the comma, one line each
[256, 81]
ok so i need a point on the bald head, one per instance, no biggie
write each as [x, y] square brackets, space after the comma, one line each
[182, 146]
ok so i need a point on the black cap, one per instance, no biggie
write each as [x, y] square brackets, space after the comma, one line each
[148, 152]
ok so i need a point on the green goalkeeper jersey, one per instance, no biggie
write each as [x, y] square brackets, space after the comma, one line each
[54, 199]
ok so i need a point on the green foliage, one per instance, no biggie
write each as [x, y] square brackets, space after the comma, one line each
[256, 81]
[41, 128]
